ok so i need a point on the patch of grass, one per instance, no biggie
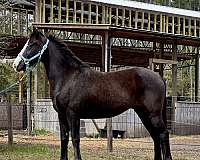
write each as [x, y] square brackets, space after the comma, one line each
[51, 152]
[28, 152]
[40, 132]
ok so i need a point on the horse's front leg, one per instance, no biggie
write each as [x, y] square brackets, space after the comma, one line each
[64, 136]
[75, 133]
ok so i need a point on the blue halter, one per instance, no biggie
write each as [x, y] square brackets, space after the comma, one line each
[39, 54]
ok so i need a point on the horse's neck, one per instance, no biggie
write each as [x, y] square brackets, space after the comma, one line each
[57, 69]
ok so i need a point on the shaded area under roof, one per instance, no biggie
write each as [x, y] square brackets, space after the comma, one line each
[123, 32]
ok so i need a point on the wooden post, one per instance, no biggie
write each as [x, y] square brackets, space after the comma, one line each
[195, 27]
[67, 11]
[179, 25]
[10, 120]
[82, 12]
[161, 23]
[103, 14]
[38, 14]
[74, 15]
[51, 11]
[27, 22]
[43, 11]
[106, 14]
[173, 28]
[36, 74]
[149, 22]
[106, 63]
[136, 19]
[189, 27]
[130, 19]
[117, 16]
[97, 14]
[174, 82]
[167, 24]
[151, 64]
[11, 21]
[161, 56]
[29, 103]
[163, 27]
[90, 13]
[183, 25]
[155, 23]
[197, 75]
[59, 10]
[46, 87]
[19, 22]
[20, 88]
[110, 15]
[123, 17]
[142, 24]
[37, 11]
[5, 19]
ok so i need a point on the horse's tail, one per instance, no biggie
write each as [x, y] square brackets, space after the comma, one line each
[164, 111]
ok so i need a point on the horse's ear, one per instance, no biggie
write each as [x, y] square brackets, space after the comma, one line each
[35, 30]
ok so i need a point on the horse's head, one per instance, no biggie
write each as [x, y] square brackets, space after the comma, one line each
[32, 51]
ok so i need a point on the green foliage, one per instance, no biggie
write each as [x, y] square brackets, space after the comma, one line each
[8, 77]
[185, 76]
[39, 132]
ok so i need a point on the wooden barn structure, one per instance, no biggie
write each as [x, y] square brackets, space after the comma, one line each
[119, 33]
[105, 33]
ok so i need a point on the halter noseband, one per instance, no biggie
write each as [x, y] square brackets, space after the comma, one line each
[39, 54]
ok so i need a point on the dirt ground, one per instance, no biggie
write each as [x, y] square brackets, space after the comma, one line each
[183, 147]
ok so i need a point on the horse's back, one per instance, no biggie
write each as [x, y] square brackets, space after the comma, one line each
[141, 84]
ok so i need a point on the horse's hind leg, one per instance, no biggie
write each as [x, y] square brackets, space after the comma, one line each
[152, 131]
[156, 127]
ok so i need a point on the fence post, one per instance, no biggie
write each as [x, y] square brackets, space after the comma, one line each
[174, 84]
[10, 120]
[106, 61]
[29, 99]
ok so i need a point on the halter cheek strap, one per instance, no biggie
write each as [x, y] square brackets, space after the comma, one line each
[39, 54]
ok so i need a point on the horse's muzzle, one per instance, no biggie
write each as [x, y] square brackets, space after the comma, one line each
[19, 66]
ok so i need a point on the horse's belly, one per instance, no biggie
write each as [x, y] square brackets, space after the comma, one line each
[102, 111]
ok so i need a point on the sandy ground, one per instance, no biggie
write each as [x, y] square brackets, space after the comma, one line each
[183, 147]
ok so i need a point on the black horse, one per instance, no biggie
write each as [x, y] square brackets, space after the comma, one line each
[77, 91]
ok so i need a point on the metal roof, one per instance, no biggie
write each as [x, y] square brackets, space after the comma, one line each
[151, 7]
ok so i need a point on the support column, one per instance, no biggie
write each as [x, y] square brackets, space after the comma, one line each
[197, 72]
[37, 19]
[29, 100]
[161, 56]
[20, 88]
[106, 65]
[174, 82]
[10, 120]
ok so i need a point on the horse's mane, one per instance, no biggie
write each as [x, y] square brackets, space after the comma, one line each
[66, 53]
